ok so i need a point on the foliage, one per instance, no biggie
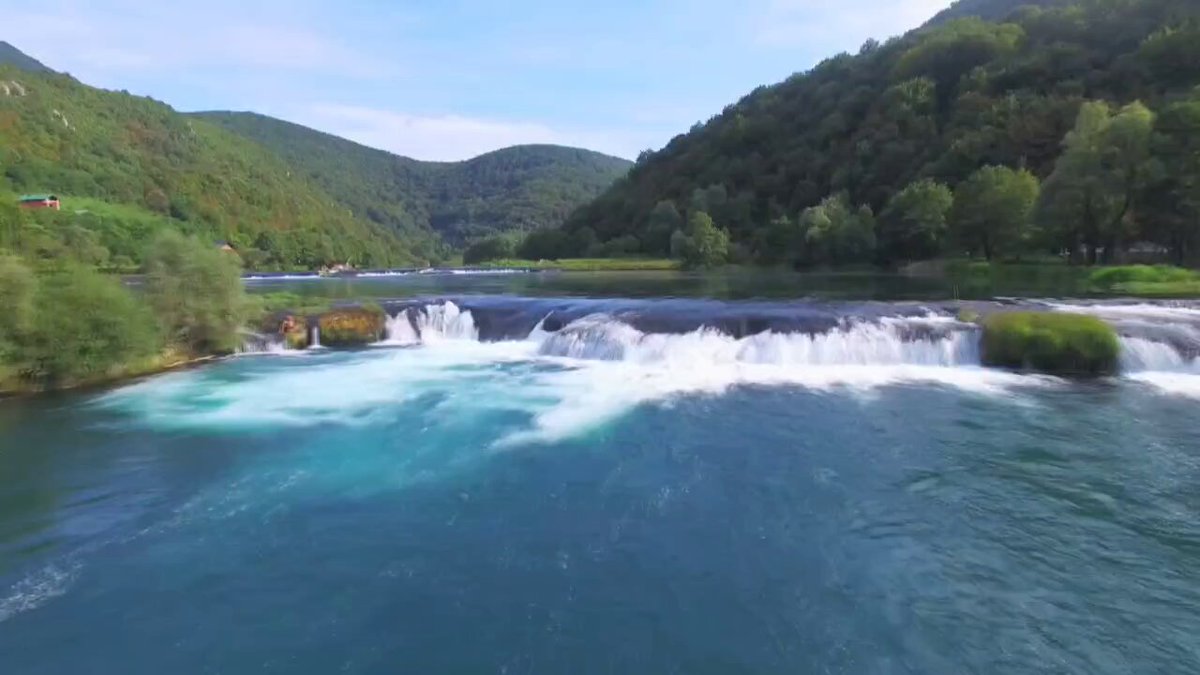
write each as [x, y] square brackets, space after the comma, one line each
[1172, 203]
[1092, 192]
[948, 53]
[352, 327]
[992, 210]
[197, 293]
[520, 188]
[17, 289]
[492, 248]
[86, 325]
[937, 104]
[1159, 289]
[705, 244]
[913, 225]
[1109, 277]
[836, 233]
[1050, 342]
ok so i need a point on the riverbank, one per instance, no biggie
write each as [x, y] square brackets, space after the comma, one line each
[12, 384]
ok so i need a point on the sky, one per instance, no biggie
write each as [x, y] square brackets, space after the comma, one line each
[450, 79]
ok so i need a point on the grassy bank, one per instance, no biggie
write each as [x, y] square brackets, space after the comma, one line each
[586, 264]
[13, 384]
[1148, 281]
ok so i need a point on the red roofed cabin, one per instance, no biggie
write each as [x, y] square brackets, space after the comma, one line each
[40, 202]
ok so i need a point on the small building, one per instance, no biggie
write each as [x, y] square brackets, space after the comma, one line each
[39, 202]
[224, 246]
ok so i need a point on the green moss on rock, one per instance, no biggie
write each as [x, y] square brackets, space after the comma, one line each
[352, 327]
[1050, 342]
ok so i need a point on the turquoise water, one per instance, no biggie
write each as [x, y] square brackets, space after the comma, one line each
[593, 497]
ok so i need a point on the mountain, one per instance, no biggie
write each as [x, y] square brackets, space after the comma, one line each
[991, 10]
[59, 135]
[11, 56]
[937, 103]
[519, 188]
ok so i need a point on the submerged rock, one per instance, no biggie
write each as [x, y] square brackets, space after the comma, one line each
[1055, 343]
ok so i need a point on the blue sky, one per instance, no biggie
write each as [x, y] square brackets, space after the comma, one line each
[452, 79]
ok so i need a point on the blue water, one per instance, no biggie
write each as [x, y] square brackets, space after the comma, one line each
[464, 507]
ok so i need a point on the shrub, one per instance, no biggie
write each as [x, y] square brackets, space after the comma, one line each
[1110, 277]
[86, 326]
[492, 248]
[1050, 342]
[17, 289]
[197, 293]
[352, 327]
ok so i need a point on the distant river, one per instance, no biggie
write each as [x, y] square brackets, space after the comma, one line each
[607, 482]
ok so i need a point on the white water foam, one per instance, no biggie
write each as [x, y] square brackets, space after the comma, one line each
[433, 323]
[881, 343]
[1147, 310]
[37, 589]
[563, 383]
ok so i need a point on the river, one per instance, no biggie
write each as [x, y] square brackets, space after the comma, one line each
[576, 481]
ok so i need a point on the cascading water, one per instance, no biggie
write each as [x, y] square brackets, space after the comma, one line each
[926, 341]
[431, 323]
[1142, 354]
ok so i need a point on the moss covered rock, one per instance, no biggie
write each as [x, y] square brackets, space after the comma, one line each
[352, 327]
[1050, 342]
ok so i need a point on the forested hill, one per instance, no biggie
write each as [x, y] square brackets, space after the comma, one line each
[126, 165]
[992, 10]
[518, 188]
[805, 170]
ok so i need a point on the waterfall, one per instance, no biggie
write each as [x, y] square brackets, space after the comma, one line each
[926, 341]
[314, 337]
[1144, 355]
[431, 323]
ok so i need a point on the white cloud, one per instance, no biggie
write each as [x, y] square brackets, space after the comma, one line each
[803, 23]
[454, 137]
[86, 39]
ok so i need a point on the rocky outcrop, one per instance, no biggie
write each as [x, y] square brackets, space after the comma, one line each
[352, 327]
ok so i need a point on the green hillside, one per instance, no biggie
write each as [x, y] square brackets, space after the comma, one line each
[518, 188]
[855, 160]
[58, 135]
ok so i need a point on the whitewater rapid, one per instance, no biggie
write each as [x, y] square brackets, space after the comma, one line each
[596, 367]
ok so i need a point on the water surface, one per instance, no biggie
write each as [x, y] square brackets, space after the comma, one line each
[619, 492]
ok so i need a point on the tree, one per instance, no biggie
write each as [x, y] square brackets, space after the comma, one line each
[992, 210]
[663, 221]
[679, 243]
[196, 291]
[86, 324]
[913, 224]
[492, 248]
[706, 245]
[1104, 167]
[949, 52]
[1175, 195]
[545, 245]
[836, 233]
[17, 289]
